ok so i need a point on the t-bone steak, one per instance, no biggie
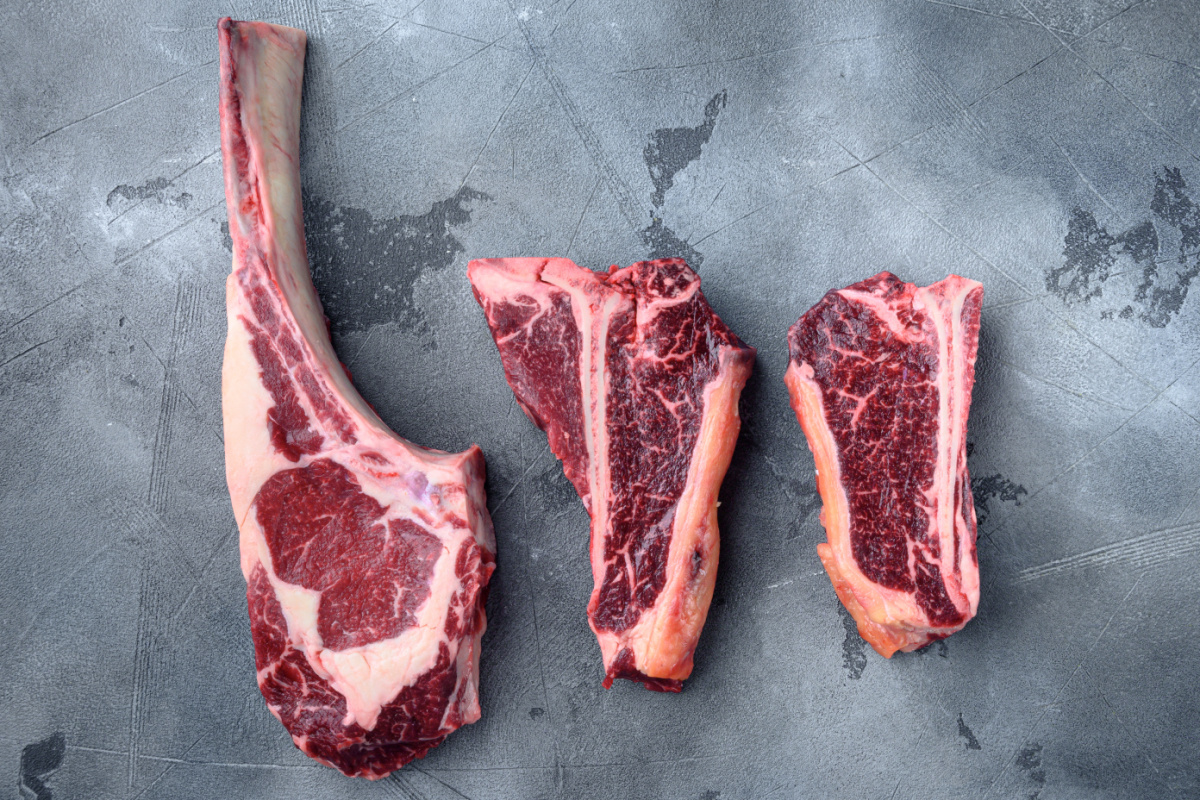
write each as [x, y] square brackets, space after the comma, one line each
[366, 557]
[636, 382]
[880, 379]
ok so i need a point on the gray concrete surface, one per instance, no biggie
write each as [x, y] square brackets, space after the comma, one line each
[1048, 148]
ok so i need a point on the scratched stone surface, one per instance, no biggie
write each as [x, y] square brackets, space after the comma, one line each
[1047, 148]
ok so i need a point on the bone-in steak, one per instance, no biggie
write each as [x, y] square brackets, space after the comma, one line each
[636, 382]
[880, 379]
[366, 557]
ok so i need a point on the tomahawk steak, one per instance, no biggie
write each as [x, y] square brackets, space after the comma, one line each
[880, 379]
[366, 557]
[636, 382]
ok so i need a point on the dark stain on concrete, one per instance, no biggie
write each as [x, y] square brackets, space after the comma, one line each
[671, 149]
[38, 761]
[365, 268]
[994, 486]
[1161, 254]
[534, 713]
[665, 243]
[854, 648]
[1029, 761]
[1162, 291]
[965, 732]
[668, 152]
[226, 239]
[154, 190]
[1088, 260]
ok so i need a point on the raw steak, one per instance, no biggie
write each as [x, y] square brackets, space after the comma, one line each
[880, 379]
[636, 382]
[366, 557]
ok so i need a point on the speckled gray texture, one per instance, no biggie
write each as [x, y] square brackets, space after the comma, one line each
[1047, 148]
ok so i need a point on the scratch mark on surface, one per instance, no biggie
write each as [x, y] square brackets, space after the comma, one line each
[992, 14]
[1008, 763]
[582, 214]
[416, 86]
[1191, 500]
[120, 103]
[620, 190]
[562, 15]
[1097, 446]
[235, 764]
[760, 54]
[1059, 49]
[1141, 553]
[400, 784]
[1129, 735]
[128, 256]
[605, 765]
[939, 88]
[492, 132]
[170, 766]
[1006, 17]
[187, 313]
[1010, 303]
[521, 479]
[350, 361]
[990, 181]
[42, 308]
[194, 763]
[1018, 76]
[462, 36]
[710, 234]
[195, 406]
[367, 46]
[199, 578]
[1084, 178]
[1148, 54]
[140, 648]
[25, 352]
[442, 782]
[46, 597]
[1110, 84]
[537, 639]
[1081, 395]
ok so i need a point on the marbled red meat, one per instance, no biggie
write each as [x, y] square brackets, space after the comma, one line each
[636, 382]
[366, 557]
[880, 378]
